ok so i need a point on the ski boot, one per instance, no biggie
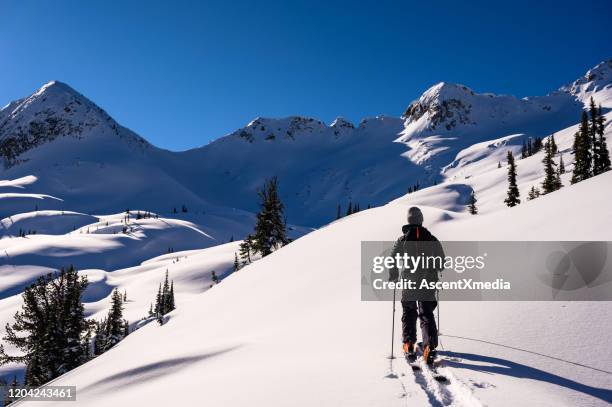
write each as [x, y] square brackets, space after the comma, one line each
[409, 351]
[429, 355]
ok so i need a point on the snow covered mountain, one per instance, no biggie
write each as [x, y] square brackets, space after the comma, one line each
[65, 140]
[290, 329]
[596, 83]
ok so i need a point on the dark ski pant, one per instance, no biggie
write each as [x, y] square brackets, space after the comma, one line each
[424, 310]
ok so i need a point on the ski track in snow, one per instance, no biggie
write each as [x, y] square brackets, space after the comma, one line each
[454, 393]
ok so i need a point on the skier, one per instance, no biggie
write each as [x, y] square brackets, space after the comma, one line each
[418, 303]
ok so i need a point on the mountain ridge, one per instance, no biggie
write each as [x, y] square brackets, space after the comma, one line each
[65, 140]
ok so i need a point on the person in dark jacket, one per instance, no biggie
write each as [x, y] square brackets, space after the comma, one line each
[416, 240]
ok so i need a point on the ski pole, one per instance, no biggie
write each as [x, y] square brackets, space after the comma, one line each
[439, 331]
[393, 324]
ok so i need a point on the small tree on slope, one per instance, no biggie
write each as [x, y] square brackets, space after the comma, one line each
[115, 323]
[582, 151]
[270, 231]
[603, 163]
[513, 191]
[551, 179]
[472, 204]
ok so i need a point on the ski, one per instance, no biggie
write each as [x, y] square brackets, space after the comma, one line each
[420, 363]
[412, 361]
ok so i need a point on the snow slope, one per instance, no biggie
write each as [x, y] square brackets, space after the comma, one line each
[290, 329]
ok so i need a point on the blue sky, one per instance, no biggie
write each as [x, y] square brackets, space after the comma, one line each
[182, 73]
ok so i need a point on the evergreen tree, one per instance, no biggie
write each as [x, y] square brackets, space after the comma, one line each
[245, 249]
[533, 193]
[550, 182]
[561, 165]
[349, 209]
[513, 191]
[582, 151]
[270, 226]
[594, 142]
[472, 204]
[604, 154]
[171, 303]
[553, 145]
[126, 328]
[558, 183]
[537, 145]
[214, 277]
[159, 301]
[523, 150]
[50, 331]
[165, 295]
[100, 338]
[114, 323]
[499, 164]
[76, 327]
[236, 262]
[338, 212]
[529, 147]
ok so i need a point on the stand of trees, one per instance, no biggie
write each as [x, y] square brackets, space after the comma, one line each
[591, 155]
[112, 329]
[50, 331]
[531, 146]
[164, 301]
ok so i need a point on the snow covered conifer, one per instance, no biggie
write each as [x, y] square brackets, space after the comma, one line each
[603, 163]
[171, 303]
[553, 144]
[513, 191]
[533, 193]
[165, 295]
[115, 327]
[236, 262]
[472, 204]
[550, 182]
[245, 249]
[270, 228]
[582, 151]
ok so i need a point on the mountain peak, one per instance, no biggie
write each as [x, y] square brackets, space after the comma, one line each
[269, 129]
[596, 83]
[342, 126]
[441, 101]
[55, 86]
[54, 111]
